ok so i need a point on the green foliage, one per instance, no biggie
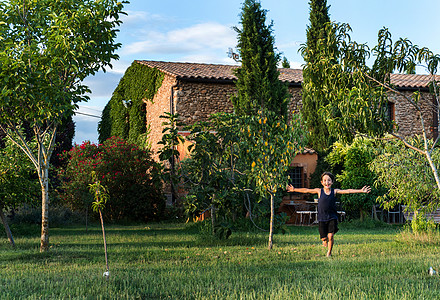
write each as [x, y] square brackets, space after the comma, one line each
[100, 194]
[285, 63]
[353, 103]
[419, 224]
[357, 94]
[47, 48]
[407, 176]
[240, 156]
[314, 97]
[258, 86]
[268, 145]
[170, 137]
[125, 115]
[212, 173]
[129, 174]
[355, 159]
[18, 182]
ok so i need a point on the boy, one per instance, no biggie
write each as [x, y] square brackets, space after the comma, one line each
[327, 213]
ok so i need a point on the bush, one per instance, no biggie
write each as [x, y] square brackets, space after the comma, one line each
[129, 174]
[58, 216]
[420, 224]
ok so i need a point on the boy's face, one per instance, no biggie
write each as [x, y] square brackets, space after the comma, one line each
[326, 181]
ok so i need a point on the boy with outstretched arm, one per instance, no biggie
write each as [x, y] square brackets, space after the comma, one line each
[327, 213]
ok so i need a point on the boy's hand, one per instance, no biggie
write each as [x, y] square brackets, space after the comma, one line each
[290, 188]
[366, 189]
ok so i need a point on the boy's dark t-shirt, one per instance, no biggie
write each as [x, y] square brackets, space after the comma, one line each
[327, 206]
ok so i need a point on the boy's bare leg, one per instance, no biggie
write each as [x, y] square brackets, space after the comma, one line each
[324, 242]
[330, 243]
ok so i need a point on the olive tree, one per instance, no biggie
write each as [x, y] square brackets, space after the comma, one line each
[47, 47]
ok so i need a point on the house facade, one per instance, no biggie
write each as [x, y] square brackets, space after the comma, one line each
[195, 91]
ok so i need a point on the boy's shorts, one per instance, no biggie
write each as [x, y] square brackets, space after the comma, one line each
[328, 227]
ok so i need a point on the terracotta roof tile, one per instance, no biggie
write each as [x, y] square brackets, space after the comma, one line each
[293, 76]
[411, 80]
[212, 71]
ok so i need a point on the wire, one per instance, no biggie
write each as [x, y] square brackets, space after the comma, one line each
[89, 115]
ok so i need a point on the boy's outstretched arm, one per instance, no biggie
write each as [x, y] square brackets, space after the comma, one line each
[365, 190]
[291, 188]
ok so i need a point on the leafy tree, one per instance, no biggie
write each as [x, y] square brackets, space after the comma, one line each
[258, 86]
[359, 93]
[285, 63]
[314, 96]
[169, 153]
[407, 176]
[212, 173]
[268, 146]
[129, 174]
[48, 47]
[355, 159]
[18, 184]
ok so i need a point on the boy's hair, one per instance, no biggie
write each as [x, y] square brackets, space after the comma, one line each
[332, 177]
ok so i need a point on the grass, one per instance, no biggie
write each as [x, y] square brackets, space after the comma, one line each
[172, 261]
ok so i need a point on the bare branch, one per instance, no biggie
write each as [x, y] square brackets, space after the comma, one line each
[394, 91]
[23, 145]
[407, 144]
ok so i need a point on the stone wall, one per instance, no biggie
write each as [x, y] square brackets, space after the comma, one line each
[195, 101]
[407, 118]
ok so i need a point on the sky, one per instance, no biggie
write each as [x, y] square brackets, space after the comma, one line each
[202, 31]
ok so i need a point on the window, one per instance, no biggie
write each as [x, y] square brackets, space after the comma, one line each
[390, 111]
[296, 177]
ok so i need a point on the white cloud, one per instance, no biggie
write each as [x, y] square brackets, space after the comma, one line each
[135, 18]
[296, 65]
[204, 37]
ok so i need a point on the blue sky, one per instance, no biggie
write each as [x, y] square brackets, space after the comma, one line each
[201, 31]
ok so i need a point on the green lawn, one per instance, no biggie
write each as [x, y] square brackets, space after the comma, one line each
[171, 261]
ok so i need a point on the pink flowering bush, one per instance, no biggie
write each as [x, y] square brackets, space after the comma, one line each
[129, 174]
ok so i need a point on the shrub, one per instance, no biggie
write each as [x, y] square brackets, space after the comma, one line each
[129, 174]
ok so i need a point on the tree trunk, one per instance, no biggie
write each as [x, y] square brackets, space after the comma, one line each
[362, 214]
[105, 242]
[375, 212]
[433, 168]
[7, 229]
[213, 218]
[87, 217]
[44, 246]
[272, 212]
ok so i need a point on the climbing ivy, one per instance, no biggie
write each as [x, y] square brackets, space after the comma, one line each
[125, 114]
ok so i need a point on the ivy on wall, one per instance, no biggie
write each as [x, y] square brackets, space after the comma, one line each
[124, 115]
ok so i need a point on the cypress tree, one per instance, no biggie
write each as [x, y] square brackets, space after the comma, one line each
[258, 86]
[314, 97]
[285, 63]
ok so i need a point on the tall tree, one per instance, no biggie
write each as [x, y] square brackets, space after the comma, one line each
[359, 93]
[48, 47]
[258, 86]
[314, 95]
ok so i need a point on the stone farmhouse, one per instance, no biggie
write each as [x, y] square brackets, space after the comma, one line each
[195, 91]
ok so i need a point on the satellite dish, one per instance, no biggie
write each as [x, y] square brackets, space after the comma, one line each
[233, 55]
